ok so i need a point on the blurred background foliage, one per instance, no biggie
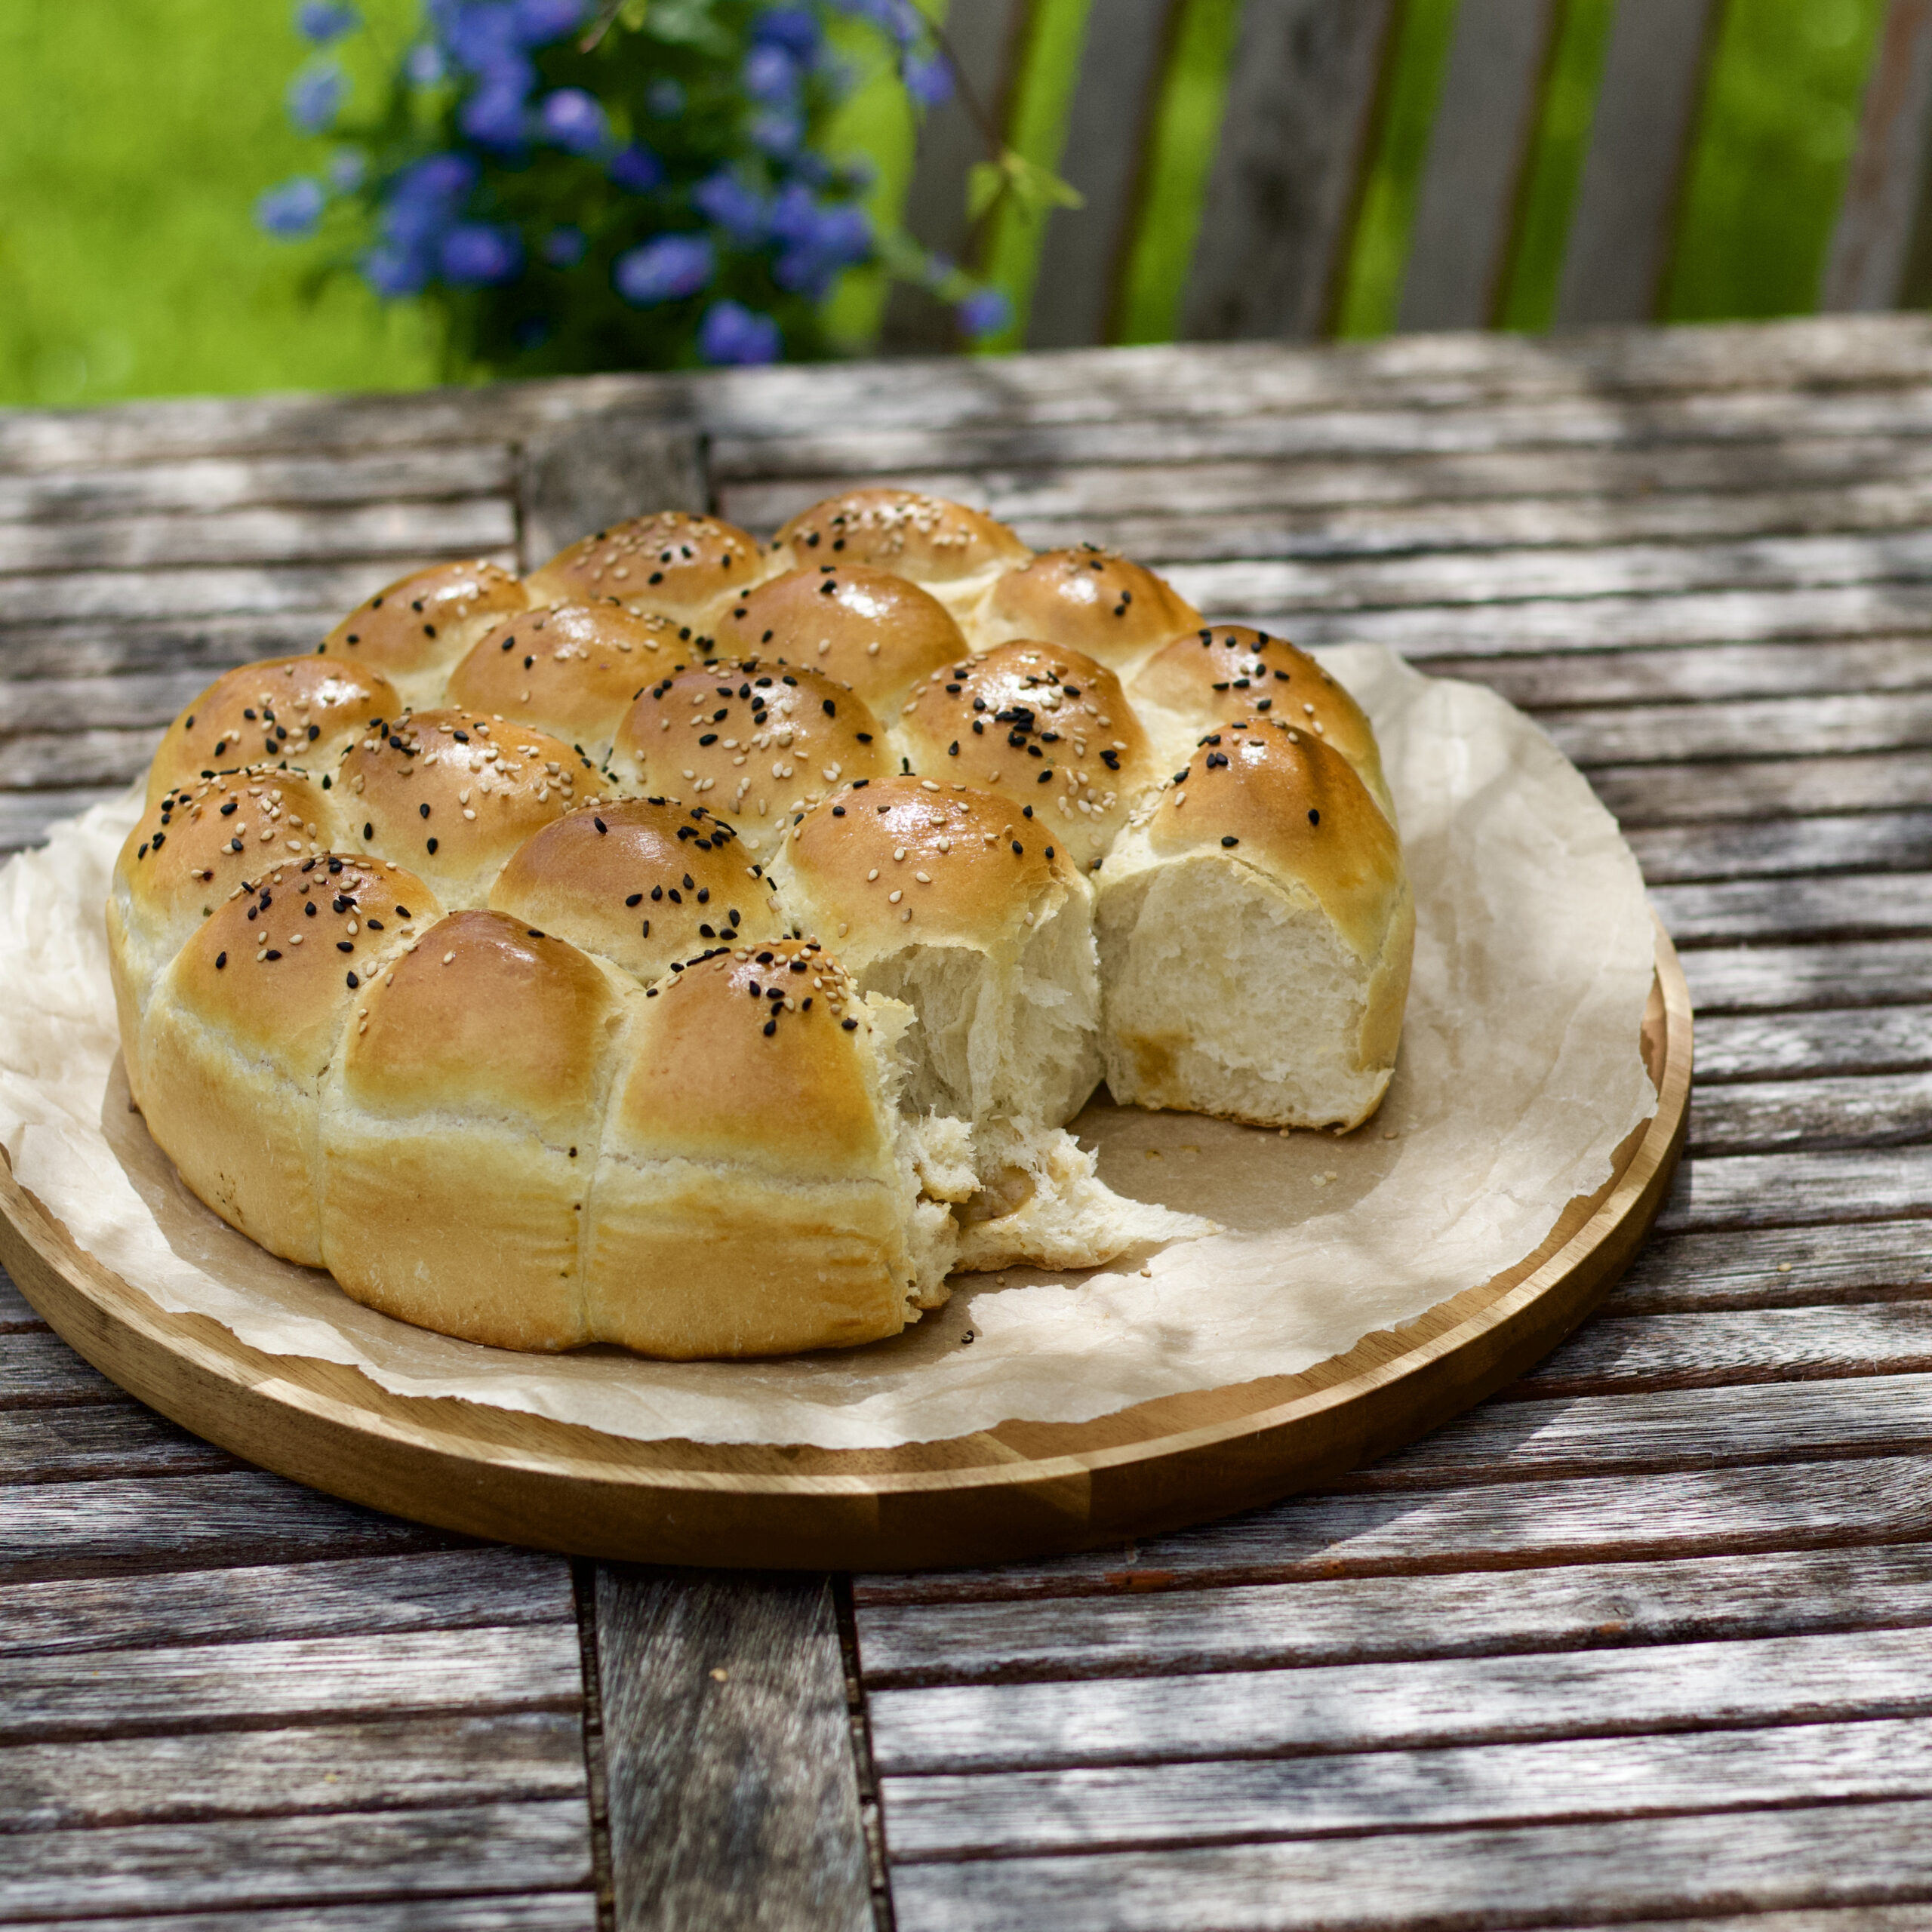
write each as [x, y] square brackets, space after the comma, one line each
[135, 137]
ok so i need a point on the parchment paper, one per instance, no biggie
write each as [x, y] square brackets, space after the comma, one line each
[1519, 1075]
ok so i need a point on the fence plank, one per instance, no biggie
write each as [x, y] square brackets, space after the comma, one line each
[1871, 240]
[1106, 133]
[1294, 134]
[600, 469]
[1484, 118]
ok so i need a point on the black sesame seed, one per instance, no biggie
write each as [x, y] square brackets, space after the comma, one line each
[353, 982]
[708, 738]
[600, 825]
[1019, 850]
[1314, 817]
[368, 831]
[635, 899]
[423, 811]
[310, 907]
[220, 961]
[431, 845]
[345, 945]
[1230, 840]
[229, 810]
[272, 954]
[657, 892]
[770, 1027]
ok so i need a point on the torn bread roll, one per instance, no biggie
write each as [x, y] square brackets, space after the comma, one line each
[869, 628]
[674, 564]
[1255, 927]
[1087, 599]
[413, 632]
[953, 551]
[1212, 675]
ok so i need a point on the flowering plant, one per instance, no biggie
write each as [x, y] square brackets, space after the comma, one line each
[644, 186]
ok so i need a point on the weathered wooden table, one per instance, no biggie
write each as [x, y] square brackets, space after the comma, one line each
[1649, 1636]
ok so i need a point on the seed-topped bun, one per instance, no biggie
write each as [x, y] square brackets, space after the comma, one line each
[674, 564]
[457, 792]
[415, 630]
[954, 551]
[1255, 928]
[186, 855]
[469, 1095]
[757, 742]
[949, 900]
[869, 629]
[283, 711]
[643, 881]
[572, 670]
[752, 1196]
[246, 1019]
[1044, 727]
[1223, 671]
[1089, 599]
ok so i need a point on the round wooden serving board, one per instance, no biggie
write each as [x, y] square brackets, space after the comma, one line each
[1023, 1489]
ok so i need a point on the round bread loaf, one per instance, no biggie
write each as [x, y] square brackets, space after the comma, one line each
[1221, 672]
[951, 551]
[1255, 927]
[1046, 729]
[413, 631]
[1087, 599]
[872, 630]
[740, 1043]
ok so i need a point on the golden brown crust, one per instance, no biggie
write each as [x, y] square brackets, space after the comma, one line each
[300, 712]
[572, 669]
[414, 630]
[870, 628]
[904, 859]
[756, 742]
[1219, 672]
[1088, 599]
[1270, 795]
[1045, 727]
[457, 792]
[954, 551]
[619, 879]
[680, 566]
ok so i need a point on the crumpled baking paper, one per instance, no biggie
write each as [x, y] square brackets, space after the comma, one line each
[1519, 1075]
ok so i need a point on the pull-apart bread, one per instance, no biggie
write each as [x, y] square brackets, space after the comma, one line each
[702, 946]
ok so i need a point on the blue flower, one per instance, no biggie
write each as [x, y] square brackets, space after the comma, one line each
[425, 198]
[316, 96]
[477, 254]
[770, 74]
[321, 21]
[494, 117]
[424, 65]
[348, 169]
[742, 212]
[393, 271]
[539, 21]
[636, 169]
[664, 269]
[665, 98]
[563, 247]
[573, 120]
[899, 18]
[292, 209]
[928, 78]
[778, 131]
[480, 35]
[986, 312]
[795, 29]
[731, 333]
[818, 239]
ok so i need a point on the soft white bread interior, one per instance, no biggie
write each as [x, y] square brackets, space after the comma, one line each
[1255, 927]
[414, 631]
[954, 551]
[245, 1023]
[870, 628]
[1209, 677]
[674, 564]
[755, 1192]
[1043, 727]
[643, 881]
[1087, 599]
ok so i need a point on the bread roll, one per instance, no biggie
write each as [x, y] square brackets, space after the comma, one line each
[676, 565]
[757, 742]
[1255, 926]
[1086, 599]
[642, 881]
[878, 632]
[1046, 728]
[948, 549]
[1211, 676]
[458, 792]
[571, 670]
[946, 899]
[186, 856]
[245, 1022]
[752, 1195]
[464, 1108]
[283, 711]
[413, 631]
